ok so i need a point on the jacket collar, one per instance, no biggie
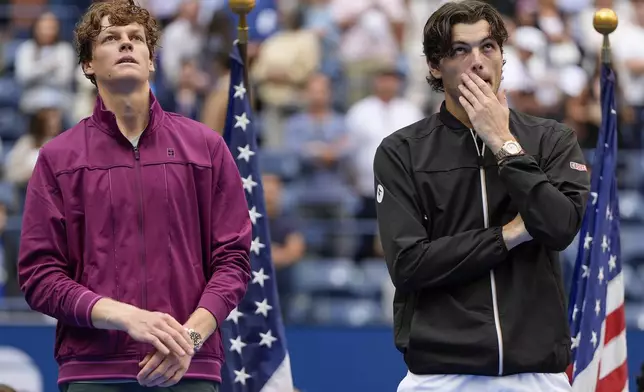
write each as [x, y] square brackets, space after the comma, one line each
[449, 120]
[106, 120]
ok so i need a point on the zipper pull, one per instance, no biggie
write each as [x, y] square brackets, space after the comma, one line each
[136, 153]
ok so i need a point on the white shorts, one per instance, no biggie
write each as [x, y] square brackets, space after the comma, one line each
[528, 382]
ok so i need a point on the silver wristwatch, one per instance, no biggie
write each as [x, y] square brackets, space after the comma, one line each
[195, 338]
[509, 148]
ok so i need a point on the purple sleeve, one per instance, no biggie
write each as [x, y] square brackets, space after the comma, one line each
[231, 238]
[43, 269]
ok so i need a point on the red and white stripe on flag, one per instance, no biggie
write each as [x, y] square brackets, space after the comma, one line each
[608, 371]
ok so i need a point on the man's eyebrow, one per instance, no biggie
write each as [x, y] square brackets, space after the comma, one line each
[484, 40]
[111, 29]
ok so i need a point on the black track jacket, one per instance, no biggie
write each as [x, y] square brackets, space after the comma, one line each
[464, 304]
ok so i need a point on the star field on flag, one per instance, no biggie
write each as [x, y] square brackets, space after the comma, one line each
[596, 313]
[253, 334]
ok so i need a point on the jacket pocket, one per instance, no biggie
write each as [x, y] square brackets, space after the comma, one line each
[533, 315]
[453, 330]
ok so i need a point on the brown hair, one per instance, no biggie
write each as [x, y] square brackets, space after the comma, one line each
[437, 34]
[6, 388]
[121, 13]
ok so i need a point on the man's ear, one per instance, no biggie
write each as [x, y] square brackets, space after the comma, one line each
[87, 68]
[151, 65]
[434, 70]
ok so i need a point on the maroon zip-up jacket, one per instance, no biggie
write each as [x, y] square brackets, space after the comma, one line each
[163, 226]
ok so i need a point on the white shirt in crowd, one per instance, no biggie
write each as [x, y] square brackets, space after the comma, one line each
[369, 121]
[371, 37]
[626, 44]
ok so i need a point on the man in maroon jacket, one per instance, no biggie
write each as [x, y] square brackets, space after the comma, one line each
[136, 233]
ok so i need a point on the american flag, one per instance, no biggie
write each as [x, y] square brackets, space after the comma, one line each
[253, 334]
[596, 312]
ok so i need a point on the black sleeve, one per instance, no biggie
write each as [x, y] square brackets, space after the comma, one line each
[551, 200]
[415, 262]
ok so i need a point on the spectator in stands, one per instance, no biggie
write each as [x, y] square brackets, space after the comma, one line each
[191, 85]
[526, 70]
[319, 19]
[319, 137]
[628, 55]
[84, 97]
[44, 125]
[182, 39]
[583, 112]
[284, 63]
[372, 35]
[287, 242]
[218, 46]
[215, 106]
[368, 122]
[45, 67]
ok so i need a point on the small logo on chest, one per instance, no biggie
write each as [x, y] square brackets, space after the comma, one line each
[170, 152]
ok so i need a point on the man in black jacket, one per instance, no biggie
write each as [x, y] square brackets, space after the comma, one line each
[474, 203]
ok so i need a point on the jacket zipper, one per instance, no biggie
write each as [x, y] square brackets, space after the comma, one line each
[486, 221]
[144, 292]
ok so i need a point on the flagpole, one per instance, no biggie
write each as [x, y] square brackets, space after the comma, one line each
[605, 22]
[242, 8]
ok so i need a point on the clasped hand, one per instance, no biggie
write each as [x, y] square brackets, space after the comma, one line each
[162, 370]
[488, 112]
[173, 347]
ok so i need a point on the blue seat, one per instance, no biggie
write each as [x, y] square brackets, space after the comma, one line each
[633, 161]
[373, 274]
[297, 308]
[12, 125]
[634, 315]
[279, 162]
[14, 224]
[633, 284]
[9, 92]
[9, 52]
[631, 241]
[341, 311]
[7, 193]
[314, 236]
[631, 206]
[7, 146]
[324, 276]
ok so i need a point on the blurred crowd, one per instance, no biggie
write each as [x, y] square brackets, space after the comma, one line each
[330, 80]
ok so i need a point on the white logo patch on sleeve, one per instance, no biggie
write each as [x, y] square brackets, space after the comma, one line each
[380, 193]
[578, 166]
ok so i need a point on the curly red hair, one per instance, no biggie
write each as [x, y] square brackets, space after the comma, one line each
[121, 13]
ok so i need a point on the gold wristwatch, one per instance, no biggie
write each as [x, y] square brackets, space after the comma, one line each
[509, 148]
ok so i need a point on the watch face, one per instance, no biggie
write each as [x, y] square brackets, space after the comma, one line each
[512, 148]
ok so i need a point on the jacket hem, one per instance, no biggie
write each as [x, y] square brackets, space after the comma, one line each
[207, 369]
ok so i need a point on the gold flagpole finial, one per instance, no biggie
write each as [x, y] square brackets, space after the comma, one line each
[242, 8]
[605, 22]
